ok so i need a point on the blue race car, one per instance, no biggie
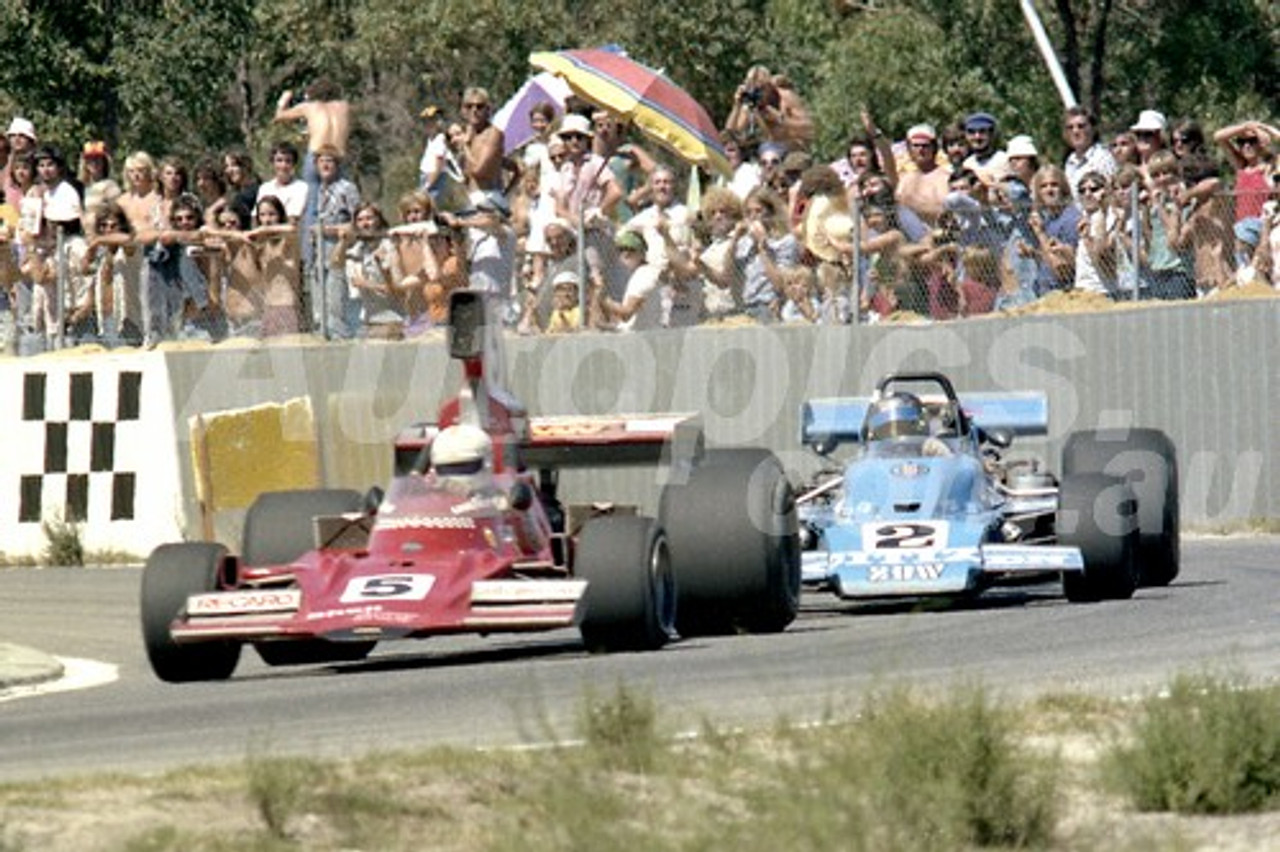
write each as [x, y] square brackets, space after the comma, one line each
[929, 504]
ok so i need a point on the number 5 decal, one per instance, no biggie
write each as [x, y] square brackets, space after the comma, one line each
[384, 587]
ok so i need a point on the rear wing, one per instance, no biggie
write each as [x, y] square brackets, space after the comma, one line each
[838, 420]
[579, 441]
[611, 440]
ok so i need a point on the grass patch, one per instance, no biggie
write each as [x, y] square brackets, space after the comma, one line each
[1211, 746]
[64, 544]
[277, 787]
[621, 730]
[899, 770]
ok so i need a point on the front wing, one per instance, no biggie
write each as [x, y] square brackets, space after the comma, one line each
[932, 571]
[389, 607]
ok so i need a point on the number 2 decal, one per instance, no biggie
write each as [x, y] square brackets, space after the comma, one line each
[402, 587]
[905, 536]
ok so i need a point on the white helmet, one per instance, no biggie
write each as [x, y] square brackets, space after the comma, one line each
[462, 452]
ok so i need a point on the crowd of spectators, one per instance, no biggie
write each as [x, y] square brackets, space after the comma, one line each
[587, 225]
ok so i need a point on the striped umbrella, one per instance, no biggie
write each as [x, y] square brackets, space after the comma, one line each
[659, 108]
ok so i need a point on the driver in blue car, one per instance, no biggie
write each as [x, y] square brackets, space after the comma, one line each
[902, 415]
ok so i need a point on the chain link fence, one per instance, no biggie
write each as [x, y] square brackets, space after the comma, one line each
[730, 263]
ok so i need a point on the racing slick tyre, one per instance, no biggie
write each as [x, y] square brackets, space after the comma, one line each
[278, 526]
[278, 529]
[630, 599]
[173, 572]
[1097, 514]
[1148, 460]
[735, 544]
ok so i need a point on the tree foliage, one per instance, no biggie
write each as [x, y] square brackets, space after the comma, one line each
[191, 78]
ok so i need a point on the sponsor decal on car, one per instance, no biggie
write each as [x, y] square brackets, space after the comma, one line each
[427, 522]
[905, 573]
[909, 470]
[236, 603]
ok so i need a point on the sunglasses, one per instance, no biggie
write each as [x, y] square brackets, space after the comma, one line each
[769, 161]
[1248, 140]
[1092, 188]
[1147, 134]
[474, 106]
[569, 137]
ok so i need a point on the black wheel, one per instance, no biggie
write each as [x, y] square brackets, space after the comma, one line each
[307, 652]
[1148, 461]
[1098, 514]
[278, 528]
[173, 572]
[735, 544]
[630, 599]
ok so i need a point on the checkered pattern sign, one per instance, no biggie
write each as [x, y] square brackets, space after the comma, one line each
[83, 433]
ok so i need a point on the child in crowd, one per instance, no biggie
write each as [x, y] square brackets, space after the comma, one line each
[566, 313]
[800, 302]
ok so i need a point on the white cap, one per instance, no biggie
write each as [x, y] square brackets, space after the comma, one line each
[1021, 146]
[923, 132]
[566, 277]
[1150, 120]
[22, 127]
[574, 123]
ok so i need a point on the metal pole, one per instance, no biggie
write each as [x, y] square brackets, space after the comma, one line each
[1046, 52]
[321, 277]
[582, 269]
[1135, 232]
[61, 299]
[855, 308]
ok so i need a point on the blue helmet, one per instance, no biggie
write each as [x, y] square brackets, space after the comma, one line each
[897, 415]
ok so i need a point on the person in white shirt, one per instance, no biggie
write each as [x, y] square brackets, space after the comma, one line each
[285, 183]
[1086, 153]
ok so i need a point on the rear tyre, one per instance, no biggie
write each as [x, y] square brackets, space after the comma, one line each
[278, 527]
[174, 572]
[735, 545]
[1148, 461]
[630, 599]
[1097, 514]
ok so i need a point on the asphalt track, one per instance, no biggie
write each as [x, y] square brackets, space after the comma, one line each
[1222, 612]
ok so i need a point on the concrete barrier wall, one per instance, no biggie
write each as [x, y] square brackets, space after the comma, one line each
[1203, 372]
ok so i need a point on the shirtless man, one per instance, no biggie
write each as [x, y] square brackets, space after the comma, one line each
[328, 117]
[924, 188]
[481, 159]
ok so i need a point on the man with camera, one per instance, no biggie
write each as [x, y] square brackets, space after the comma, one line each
[767, 108]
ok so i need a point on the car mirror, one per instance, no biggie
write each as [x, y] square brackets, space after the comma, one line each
[373, 499]
[1001, 438]
[521, 496]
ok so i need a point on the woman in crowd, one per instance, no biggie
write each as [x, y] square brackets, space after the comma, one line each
[275, 239]
[370, 257]
[1055, 224]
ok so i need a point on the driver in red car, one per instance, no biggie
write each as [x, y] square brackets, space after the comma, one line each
[462, 458]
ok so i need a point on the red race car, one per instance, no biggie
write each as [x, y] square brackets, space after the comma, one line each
[471, 537]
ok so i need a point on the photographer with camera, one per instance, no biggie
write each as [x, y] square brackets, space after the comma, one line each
[767, 108]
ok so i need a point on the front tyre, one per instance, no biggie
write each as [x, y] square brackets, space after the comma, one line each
[1148, 461]
[630, 600]
[735, 544]
[174, 572]
[1098, 514]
